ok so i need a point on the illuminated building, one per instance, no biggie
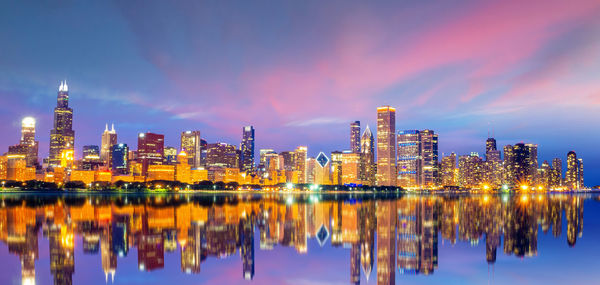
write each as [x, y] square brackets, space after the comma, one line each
[102, 176]
[16, 168]
[108, 257]
[191, 250]
[287, 160]
[183, 169]
[386, 237]
[301, 152]
[67, 158]
[518, 162]
[85, 176]
[355, 137]
[62, 254]
[3, 166]
[470, 170]
[221, 155]
[322, 169]
[350, 168]
[355, 263]
[247, 149]
[91, 157]
[62, 135]
[532, 161]
[150, 151]
[386, 146]
[27, 146]
[368, 166]
[557, 179]
[409, 158]
[336, 167]
[493, 163]
[119, 157]
[311, 164]
[191, 144]
[448, 170]
[109, 138]
[120, 234]
[170, 154]
[571, 180]
[161, 172]
[198, 175]
[580, 173]
[429, 157]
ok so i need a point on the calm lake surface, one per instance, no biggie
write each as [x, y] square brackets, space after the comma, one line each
[299, 239]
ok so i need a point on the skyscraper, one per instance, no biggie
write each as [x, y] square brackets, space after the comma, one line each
[557, 179]
[28, 146]
[447, 171]
[386, 146]
[301, 163]
[151, 149]
[532, 162]
[429, 157]
[91, 157]
[367, 148]
[190, 143]
[119, 163]
[518, 161]
[571, 176]
[409, 158]
[62, 136]
[493, 163]
[355, 137]
[247, 148]
[109, 138]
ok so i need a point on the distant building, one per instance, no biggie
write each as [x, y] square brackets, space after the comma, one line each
[355, 136]
[301, 156]
[386, 146]
[493, 163]
[221, 155]
[409, 158]
[429, 156]
[470, 170]
[91, 157]
[448, 170]
[247, 149]
[109, 138]
[368, 166]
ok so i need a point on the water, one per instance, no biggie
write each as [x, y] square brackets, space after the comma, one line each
[299, 239]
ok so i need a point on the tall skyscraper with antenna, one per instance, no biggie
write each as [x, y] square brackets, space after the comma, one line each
[109, 138]
[62, 136]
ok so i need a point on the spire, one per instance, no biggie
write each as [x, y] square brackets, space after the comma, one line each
[113, 128]
[367, 131]
[106, 128]
[66, 87]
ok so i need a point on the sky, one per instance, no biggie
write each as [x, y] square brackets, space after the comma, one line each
[301, 71]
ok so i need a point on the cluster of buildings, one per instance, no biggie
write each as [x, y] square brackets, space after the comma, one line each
[401, 234]
[406, 158]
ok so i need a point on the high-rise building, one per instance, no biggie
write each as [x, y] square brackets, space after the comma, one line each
[109, 138]
[386, 146]
[350, 168]
[287, 160]
[301, 153]
[247, 148]
[571, 176]
[367, 148]
[557, 179]
[470, 170]
[91, 157]
[190, 143]
[493, 164]
[28, 146]
[532, 161]
[336, 167]
[409, 158]
[580, 173]
[170, 155]
[150, 151]
[448, 170]
[119, 153]
[429, 157]
[518, 162]
[222, 155]
[355, 136]
[62, 135]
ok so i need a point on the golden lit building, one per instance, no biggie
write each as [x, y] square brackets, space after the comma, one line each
[3, 167]
[183, 169]
[198, 175]
[67, 157]
[386, 146]
[300, 160]
[85, 176]
[102, 176]
[350, 168]
[161, 172]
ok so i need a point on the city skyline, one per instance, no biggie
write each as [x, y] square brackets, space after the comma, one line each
[220, 73]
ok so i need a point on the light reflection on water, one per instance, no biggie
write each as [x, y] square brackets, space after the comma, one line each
[124, 239]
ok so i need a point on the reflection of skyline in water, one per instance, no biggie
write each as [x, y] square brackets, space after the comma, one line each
[401, 235]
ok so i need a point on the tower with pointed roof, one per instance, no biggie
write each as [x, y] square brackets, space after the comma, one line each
[367, 149]
[109, 138]
[62, 136]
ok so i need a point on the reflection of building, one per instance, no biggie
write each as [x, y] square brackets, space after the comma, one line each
[62, 254]
[247, 247]
[386, 246]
